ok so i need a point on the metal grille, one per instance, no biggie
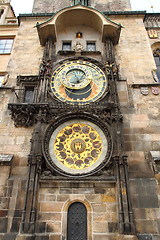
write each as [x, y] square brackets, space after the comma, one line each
[77, 222]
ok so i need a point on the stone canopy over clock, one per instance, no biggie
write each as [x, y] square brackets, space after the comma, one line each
[79, 82]
[77, 147]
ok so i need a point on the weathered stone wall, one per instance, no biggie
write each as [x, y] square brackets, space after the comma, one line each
[49, 6]
[98, 197]
[133, 52]
[27, 52]
[111, 5]
[141, 122]
[24, 60]
[14, 141]
[141, 134]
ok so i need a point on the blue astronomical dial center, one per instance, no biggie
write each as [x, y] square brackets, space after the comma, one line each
[79, 82]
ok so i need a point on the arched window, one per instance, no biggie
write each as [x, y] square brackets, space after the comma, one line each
[83, 2]
[156, 54]
[77, 222]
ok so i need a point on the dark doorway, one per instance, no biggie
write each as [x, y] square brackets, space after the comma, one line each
[77, 222]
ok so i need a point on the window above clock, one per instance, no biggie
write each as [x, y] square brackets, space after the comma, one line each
[66, 46]
[91, 46]
[83, 2]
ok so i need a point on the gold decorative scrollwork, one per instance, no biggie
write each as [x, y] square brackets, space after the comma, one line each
[78, 146]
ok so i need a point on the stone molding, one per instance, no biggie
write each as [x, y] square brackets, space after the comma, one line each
[6, 159]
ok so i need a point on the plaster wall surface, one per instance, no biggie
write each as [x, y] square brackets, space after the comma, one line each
[89, 35]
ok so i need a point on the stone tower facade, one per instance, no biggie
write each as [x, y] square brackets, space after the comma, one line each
[49, 6]
[79, 122]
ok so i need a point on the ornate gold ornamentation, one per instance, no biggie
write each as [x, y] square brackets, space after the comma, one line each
[78, 146]
[152, 33]
[79, 82]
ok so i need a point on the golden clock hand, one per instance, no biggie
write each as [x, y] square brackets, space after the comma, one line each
[98, 77]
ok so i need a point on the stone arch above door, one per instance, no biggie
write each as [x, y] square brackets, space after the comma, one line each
[77, 199]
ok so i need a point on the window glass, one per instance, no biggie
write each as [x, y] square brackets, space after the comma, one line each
[6, 46]
[91, 46]
[83, 2]
[1, 79]
[158, 73]
[1, 12]
[157, 60]
[156, 55]
[66, 46]
[29, 95]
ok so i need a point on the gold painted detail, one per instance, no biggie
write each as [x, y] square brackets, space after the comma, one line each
[79, 82]
[152, 33]
[78, 146]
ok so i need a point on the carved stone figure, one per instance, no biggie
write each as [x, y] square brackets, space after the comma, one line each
[78, 47]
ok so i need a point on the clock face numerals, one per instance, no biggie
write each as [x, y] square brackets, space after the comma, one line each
[77, 78]
[78, 82]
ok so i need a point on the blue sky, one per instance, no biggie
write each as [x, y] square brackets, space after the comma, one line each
[21, 6]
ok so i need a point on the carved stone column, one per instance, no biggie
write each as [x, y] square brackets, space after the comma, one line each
[129, 206]
[34, 161]
[110, 56]
[45, 71]
[126, 223]
[119, 192]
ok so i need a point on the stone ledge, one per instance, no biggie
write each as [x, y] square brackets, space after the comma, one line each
[137, 85]
[58, 237]
[6, 159]
[114, 237]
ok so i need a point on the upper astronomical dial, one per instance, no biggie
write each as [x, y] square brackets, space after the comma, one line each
[79, 82]
[77, 77]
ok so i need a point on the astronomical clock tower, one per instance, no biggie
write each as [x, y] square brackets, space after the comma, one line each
[77, 187]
